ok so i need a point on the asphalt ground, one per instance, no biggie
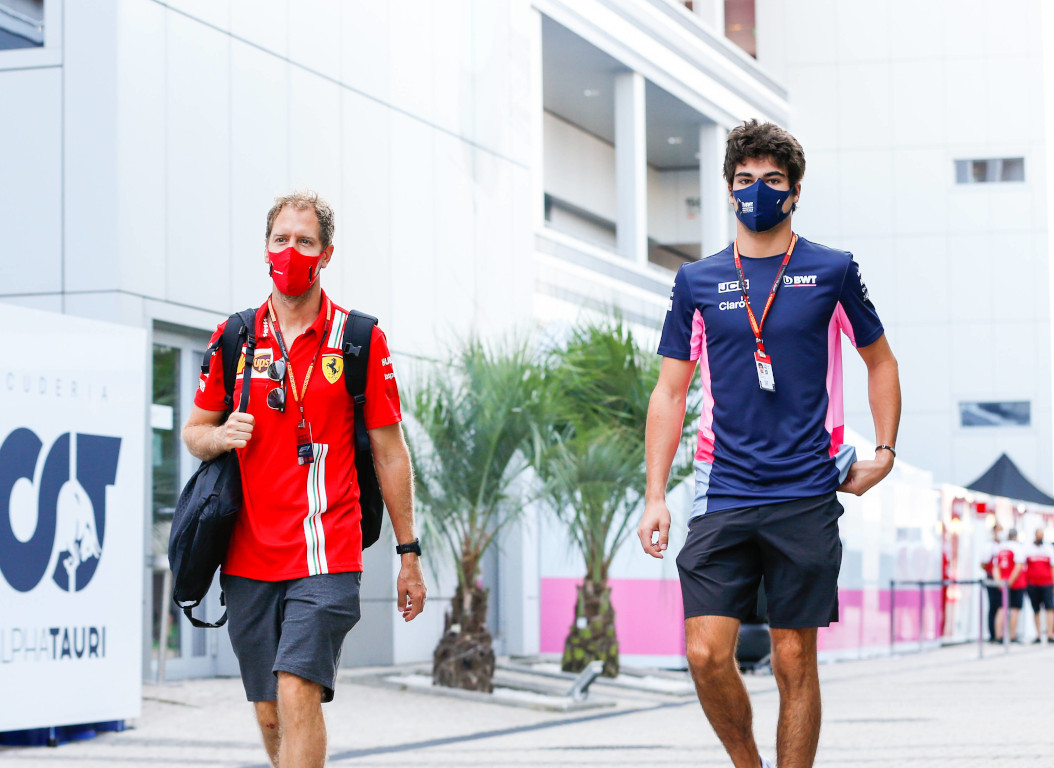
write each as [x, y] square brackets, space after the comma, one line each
[938, 708]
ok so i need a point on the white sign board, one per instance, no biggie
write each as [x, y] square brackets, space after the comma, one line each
[72, 427]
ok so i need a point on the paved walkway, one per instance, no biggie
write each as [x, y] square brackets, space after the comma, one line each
[940, 708]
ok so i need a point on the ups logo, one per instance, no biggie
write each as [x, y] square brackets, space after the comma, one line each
[261, 360]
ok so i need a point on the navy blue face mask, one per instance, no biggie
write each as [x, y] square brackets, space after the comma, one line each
[760, 207]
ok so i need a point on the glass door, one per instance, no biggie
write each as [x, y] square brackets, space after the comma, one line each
[187, 651]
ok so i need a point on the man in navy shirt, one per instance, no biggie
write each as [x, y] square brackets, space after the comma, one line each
[762, 322]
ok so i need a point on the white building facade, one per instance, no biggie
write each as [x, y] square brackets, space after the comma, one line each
[495, 164]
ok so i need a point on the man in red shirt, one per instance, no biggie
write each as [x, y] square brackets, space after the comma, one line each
[1009, 566]
[1039, 569]
[292, 572]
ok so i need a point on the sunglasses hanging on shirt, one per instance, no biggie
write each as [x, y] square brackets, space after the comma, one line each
[277, 370]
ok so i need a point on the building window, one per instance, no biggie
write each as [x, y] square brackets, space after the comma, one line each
[1006, 414]
[740, 25]
[21, 24]
[982, 171]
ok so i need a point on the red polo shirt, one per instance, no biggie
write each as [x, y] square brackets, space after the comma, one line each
[302, 519]
[1039, 558]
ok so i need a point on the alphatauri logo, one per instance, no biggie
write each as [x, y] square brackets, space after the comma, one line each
[53, 517]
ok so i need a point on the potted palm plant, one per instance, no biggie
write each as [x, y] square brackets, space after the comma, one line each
[598, 387]
[475, 434]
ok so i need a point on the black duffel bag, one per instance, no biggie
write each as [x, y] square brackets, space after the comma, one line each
[209, 504]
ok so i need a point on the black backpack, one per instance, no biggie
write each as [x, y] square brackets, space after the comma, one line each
[208, 507]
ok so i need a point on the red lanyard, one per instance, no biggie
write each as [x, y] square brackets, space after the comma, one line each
[754, 324]
[289, 361]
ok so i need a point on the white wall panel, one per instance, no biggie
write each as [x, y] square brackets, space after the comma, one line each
[314, 35]
[141, 130]
[1016, 364]
[364, 234]
[855, 16]
[811, 36]
[918, 118]
[198, 166]
[861, 211]
[814, 128]
[90, 148]
[414, 300]
[1012, 107]
[923, 37]
[258, 164]
[453, 202]
[969, 208]
[973, 374]
[817, 214]
[1014, 298]
[31, 191]
[521, 115]
[448, 74]
[410, 44]
[490, 72]
[495, 267]
[920, 191]
[864, 102]
[923, 265]
[208, 11]
[365, 50]
[966, 88]
[262, 22]
[968, 283]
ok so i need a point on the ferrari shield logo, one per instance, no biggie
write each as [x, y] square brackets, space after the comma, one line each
[332, 367]
[241, 363]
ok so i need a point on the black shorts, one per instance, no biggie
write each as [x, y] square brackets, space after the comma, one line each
[1041, 597]
[1017, 598]
[296, 626]
[793, 544]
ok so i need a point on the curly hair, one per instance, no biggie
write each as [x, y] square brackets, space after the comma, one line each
[302, 200]
[756, 140]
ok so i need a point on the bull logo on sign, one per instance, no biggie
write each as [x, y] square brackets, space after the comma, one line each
[70, 521]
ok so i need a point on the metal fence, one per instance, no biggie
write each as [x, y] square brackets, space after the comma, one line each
[894, 585]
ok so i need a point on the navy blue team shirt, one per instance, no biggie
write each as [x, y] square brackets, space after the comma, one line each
[757, 447]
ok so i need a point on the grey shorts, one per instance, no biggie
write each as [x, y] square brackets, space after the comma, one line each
[296, 626]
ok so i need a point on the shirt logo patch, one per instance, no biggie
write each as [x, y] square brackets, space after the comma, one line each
[731, 285]
[799, 281]
[332, 367]
[261, 360]
[241, 363]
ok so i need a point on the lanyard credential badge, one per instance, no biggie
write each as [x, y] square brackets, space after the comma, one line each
[305, 453]
[762, 359]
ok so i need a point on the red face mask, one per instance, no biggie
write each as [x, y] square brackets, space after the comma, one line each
[293, 272]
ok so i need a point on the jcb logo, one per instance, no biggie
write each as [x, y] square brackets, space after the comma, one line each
[70, 522]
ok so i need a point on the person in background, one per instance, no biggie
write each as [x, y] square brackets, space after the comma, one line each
[1039, 574]
[1010, 567]
[995, 592]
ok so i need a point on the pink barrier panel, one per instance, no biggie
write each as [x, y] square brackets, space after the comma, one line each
[864, 618]
[649, 616]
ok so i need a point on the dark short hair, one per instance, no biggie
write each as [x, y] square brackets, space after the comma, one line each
[757, 140]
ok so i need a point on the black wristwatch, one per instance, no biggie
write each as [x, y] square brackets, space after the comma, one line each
[410, 548]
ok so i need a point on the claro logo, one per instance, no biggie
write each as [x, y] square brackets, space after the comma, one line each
[70, 491]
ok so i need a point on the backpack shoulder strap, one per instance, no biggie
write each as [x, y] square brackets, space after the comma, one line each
[355, 344]
[241, 327]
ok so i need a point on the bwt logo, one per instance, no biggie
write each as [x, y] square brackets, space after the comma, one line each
[809, 280]
[70, 507]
